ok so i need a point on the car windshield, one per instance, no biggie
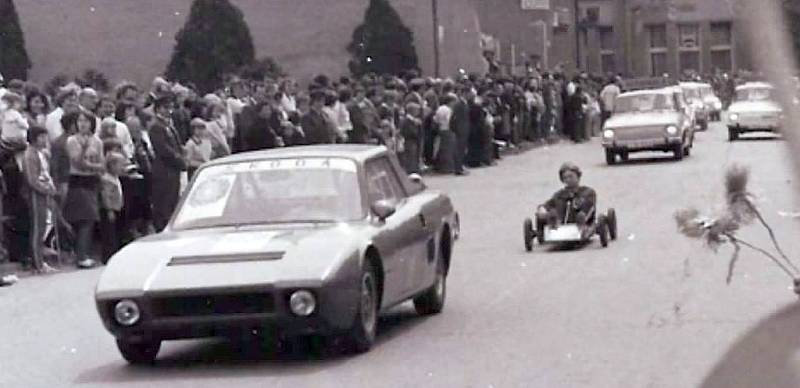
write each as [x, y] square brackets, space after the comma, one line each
[644, 103]
[706, 91]
[272, 191]
[754, 94]
[691, 93]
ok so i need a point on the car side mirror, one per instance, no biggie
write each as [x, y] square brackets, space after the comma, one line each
[383, 209]
[416, 179]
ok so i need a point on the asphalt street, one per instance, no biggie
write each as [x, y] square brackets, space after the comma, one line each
[651, 310]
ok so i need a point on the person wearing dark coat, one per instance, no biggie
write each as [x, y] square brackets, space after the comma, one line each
[411, 131]
[460, 126]
[572, 204]
[168, 164]
[315, 125]
[480, 135]
[256, 128]
[574, 115]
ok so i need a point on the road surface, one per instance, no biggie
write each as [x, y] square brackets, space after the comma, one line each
[651, 310]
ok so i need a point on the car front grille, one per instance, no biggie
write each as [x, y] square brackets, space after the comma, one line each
[639, 133]
[211, 305]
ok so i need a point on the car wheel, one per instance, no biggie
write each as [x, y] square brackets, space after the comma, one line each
[624, 156]
[540, 232]
[432, 301]
[528, 234]
[678, 151]
[139, 352]
[733, 134]
[602, 230]
[361, 335]
[611, 217]
[611, 157]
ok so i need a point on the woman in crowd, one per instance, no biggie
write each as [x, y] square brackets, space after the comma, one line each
[87, 164]
[37, 108]
[216, 126]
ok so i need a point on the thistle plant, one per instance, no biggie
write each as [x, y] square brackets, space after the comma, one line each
[740, 210]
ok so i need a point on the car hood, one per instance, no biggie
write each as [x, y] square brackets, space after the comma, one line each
[754, 107]
[226, 257]
[629, 120]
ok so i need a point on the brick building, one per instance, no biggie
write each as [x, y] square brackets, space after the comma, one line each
[632, 37]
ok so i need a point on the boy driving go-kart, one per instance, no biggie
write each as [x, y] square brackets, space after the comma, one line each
[570, 215]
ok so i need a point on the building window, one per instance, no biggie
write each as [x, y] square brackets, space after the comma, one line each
[606, 37]
[721, 60]
[607, 63]
[689, 49]
[688, 36]
[721, 34]
[658, 64]
[689, 61]
[721, 46]
[658, 36]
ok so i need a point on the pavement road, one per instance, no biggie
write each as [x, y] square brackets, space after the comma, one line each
[651, 310]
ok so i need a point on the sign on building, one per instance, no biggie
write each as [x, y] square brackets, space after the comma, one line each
[535, 4]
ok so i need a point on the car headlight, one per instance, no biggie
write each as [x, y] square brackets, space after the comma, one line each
[717, 105]
[608, 134]
[733, 116]
[672, 130]
[302, 303]
[126, 312]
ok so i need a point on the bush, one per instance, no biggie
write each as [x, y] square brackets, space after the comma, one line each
[382, 44]
[214, 41]
[14, 61]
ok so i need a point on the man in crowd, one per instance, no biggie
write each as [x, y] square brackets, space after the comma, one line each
[168, 164]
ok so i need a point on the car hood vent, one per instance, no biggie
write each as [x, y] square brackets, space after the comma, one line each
[225, 258]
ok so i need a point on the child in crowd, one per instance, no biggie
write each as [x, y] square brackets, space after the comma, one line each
[14, 125]
[42, 191]
[198, 148]
[111, 204]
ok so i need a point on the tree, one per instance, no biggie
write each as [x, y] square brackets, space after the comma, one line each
[14, 61]
[382, 44]
[260, 69]
[215, 41]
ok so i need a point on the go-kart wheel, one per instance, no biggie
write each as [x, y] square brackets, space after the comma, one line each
[602, 230]
[611, 157]
[611, 217]
[540, 232]
[528, 234]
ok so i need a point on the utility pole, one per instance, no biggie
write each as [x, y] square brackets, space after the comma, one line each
[435, 36]
[577, 36]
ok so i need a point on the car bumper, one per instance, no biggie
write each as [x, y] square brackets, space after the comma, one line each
[756, 126]
[335, 312]
[660, 144]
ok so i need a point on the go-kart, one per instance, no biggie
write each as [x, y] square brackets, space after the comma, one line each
[569, 231]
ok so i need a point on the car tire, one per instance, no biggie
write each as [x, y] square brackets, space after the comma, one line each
[624, 156]
[611, 157]
[611, 217]
[733, 134]
[678, 151]
[361, 335]
[432, 301]
[528, 234]
[138, 353]
[602, 230]
[540, 231]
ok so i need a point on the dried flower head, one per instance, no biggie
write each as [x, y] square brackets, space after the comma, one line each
[689, 222]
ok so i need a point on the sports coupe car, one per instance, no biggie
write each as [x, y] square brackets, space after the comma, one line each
[297, 240]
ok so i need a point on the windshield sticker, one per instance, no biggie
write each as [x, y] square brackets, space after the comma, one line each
[297, 163]
[208, 198]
